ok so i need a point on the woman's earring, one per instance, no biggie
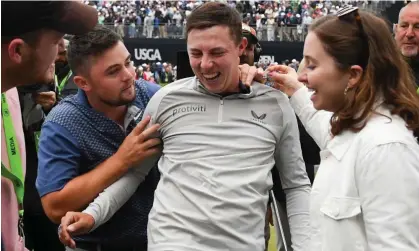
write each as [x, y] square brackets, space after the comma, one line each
[346, 90]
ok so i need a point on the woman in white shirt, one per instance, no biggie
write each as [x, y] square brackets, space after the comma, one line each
[360, 106]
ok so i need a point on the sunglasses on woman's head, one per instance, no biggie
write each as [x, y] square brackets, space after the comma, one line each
[351, 15]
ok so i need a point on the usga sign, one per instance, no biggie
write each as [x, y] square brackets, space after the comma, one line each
[147, 54]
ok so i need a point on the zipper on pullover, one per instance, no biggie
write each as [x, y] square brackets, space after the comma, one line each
[220, 111]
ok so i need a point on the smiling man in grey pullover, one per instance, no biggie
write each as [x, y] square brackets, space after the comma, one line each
[221, 140]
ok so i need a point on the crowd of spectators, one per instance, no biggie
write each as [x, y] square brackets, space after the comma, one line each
[159, 73]
[280, 20]
[293, 63]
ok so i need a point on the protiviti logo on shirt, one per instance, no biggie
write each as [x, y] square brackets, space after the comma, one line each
[189, 108]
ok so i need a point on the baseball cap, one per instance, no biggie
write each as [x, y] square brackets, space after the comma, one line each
[249, 33]
[68, 17]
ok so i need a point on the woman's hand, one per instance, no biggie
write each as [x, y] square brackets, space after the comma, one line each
[284, 78]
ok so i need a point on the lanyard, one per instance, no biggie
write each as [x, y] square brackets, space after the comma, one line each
[15, 174]
[37, 136]
[63, 82]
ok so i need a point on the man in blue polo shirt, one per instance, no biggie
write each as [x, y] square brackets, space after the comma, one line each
[93, 138]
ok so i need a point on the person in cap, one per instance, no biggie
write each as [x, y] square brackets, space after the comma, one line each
[31, 47]
[28, 49]
[36, 101]
[249, 57]
[309, 148]
[252, 52]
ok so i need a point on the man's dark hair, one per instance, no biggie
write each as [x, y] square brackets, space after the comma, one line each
[92, 44]
[212, 14]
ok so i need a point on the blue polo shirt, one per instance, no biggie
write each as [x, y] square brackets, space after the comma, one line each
[75, 139]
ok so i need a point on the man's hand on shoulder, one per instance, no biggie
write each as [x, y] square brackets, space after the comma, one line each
[248, 74]
[140, 144]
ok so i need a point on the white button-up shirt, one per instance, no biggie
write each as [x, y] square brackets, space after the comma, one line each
[366, 192]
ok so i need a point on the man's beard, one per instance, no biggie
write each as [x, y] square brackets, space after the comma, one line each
[59, 66]
[34, 74]
[118, 102]
[411, 53]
